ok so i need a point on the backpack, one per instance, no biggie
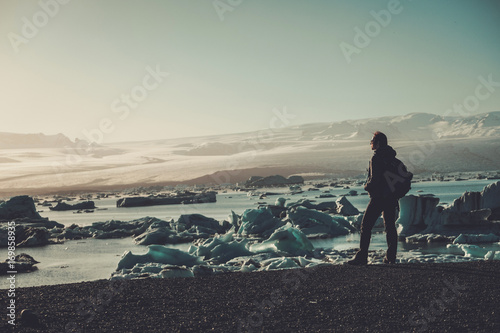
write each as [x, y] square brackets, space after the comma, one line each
[398, 178]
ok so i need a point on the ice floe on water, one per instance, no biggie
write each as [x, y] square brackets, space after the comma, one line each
[279, 236]
[286, 248]
[275, 260]
[475, 251]
[286, 240]
[476, 238]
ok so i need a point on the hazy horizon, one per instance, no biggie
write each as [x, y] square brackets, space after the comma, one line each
[119, 71]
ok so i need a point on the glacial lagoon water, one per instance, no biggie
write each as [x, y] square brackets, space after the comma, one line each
[92, 259]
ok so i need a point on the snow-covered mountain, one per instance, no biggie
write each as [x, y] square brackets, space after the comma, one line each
[425, 142]
[414, 126]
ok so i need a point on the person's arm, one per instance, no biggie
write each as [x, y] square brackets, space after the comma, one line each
[376, 176]
[368, 183]
[368, 171]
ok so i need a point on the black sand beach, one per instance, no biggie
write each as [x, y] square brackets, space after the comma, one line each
[454, 297]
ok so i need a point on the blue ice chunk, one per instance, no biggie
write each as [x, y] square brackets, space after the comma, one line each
[129, 260]
[185, 229]
[303, 262]
[157, 234]
[165, 255]
[492, 255]
[228, 236]
[152, 268]
[221, 248]
[282, 263]
[203, 270]
[185, 222]
[255, 259]
[476, 238]
[234, 220]
[247, 268]
[205, 248]
[345, 208]
[227, 251]
[199, 251]
[311, 221]
[323, 206]
[288, 240]
[159, 254]
[473, 251]
[259, 222]
[301, 202]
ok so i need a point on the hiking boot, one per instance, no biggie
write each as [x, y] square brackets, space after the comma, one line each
[357, 261]
[390, 262]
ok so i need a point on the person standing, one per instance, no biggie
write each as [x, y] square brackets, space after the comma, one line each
[382, 201]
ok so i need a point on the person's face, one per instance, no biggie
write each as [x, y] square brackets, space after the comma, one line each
[374, 146]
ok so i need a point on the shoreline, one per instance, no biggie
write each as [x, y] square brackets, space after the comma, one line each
[209, 181]
[444, 297]
[57, 264]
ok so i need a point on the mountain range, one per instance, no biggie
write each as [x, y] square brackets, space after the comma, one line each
[426, 142]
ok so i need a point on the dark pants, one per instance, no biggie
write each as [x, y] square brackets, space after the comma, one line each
[377, 206]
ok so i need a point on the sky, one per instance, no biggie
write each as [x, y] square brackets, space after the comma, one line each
[123, 70]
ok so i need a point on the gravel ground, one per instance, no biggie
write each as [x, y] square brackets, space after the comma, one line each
[454, 297]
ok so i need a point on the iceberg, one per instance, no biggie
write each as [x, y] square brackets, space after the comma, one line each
[323, 206]
[234, 220]
[221, 248]
[253, 259]
[159, 232]
[179, 198]
[259, 222]
[471, 212]
[227, 251]
[220, 251]
[344, 207]
[186, 229]
[208, 224]
[105, 230]
[284, 244]
[159, 254]
[279, 263]
[488, 198]
[287, 239]
[62, 206]
[247, 268]
[473, 251]
[312, 222]
[415, 212]
[476, 238]
[429, 238]
[492, 255]
[205, 247]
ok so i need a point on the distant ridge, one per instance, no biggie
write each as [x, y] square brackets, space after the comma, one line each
[38, 140]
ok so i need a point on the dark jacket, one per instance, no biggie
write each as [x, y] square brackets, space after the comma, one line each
[376, 184]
